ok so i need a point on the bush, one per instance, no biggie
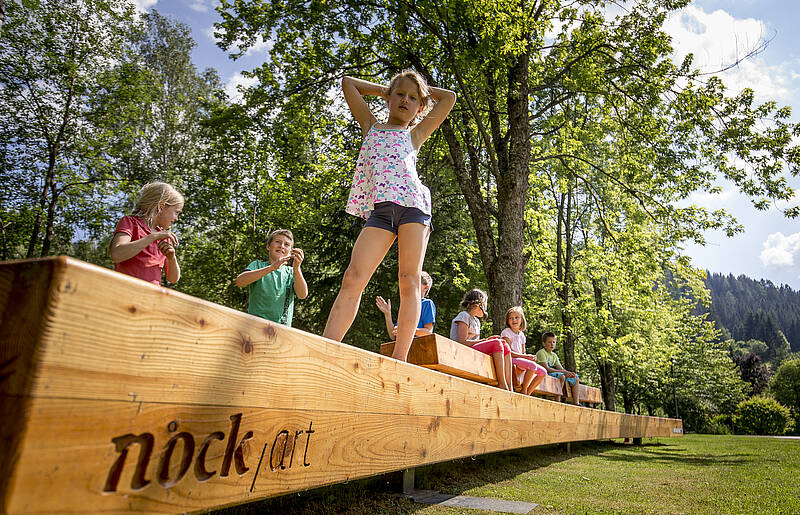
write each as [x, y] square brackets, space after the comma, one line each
[785, 384]
[762, 416]
[719, 425]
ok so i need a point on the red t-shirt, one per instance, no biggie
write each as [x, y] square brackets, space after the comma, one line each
[148, 263]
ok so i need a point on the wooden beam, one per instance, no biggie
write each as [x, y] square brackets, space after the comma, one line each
[121, 396]
[436, 352]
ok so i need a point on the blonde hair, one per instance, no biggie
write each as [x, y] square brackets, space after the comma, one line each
[422, 87]
[280, 232]
[518, 310]
[153, 196]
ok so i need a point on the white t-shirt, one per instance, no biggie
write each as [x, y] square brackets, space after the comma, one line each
[473, 326]
[517, 340]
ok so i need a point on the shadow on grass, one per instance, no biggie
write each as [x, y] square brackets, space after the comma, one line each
[380, 494]
[689, 459]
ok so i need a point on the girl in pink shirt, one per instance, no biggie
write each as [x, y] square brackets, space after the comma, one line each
[143, 245]
[386, 191]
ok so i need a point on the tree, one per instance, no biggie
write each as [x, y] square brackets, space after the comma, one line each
[668, 130]
[53, 57]
[165, 140]
[785, 384]
[752, 371]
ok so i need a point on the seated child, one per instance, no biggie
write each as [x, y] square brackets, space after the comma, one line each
[273, 285]
[549, 360]
[427, 315]
[527, 373]
[143, 245]
[466, 329]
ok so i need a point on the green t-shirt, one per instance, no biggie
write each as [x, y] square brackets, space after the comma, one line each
[268, 294]
[549, 358]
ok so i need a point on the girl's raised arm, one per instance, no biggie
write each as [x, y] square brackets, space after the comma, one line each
[354, 91]
[445, 100]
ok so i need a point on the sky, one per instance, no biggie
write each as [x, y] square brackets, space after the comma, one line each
[718, 33]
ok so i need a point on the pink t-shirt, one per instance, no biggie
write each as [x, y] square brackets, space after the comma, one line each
[148, 263]
[386, 171]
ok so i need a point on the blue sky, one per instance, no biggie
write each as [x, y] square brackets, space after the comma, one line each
[717, 32]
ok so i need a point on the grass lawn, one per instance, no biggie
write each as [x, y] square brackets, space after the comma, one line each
[690, 474]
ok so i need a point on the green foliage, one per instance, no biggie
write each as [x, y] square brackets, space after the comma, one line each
[719, 425]
[785, 384]
[762, 416]
[572, 157]
[54, 59]
[737, 299]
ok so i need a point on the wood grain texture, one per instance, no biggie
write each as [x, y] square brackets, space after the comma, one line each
[435, 352]
[113, 365]
[25, 291]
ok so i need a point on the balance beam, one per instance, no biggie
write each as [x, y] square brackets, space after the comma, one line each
[117, 395]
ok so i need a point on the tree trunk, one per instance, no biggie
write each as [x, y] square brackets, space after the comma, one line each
[506, 278]
[627, 403]
[564, 276]
[48, 185]
[504, 260]
[51, 214]
[608, 385]
[607, 380]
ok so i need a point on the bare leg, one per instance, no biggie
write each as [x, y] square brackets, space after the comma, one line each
[526, 381]
[508, 369]
[516, 381]
[412, 241]
[575, 390]
[537, 380]
[499, 368]
[368, 252]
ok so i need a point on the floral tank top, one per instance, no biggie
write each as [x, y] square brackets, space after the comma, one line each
[386, 171]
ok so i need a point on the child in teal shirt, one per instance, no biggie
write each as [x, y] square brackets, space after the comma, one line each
[273, 285]
[547, 358]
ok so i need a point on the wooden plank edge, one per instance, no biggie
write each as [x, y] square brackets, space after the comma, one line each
[27, 294]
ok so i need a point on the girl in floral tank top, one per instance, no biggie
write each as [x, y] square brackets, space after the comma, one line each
[387, 192]
[386, 171]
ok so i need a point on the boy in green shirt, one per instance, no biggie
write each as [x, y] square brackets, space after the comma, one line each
[547, 358]
[273, 285]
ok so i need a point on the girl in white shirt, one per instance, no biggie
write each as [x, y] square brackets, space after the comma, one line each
[527, 372]
[466, 329]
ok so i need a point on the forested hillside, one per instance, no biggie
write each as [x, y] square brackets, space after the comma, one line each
[755, 310]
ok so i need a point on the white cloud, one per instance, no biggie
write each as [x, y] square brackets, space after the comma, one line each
[780, 250]
[258, 46]
[719, 40]
[236, 84]
[201, 6]
[712, 200]
[209, 32]
[144, 5]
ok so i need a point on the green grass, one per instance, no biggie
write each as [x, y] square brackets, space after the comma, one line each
[690, 474]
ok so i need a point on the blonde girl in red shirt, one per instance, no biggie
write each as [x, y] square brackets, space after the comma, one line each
[143, 245]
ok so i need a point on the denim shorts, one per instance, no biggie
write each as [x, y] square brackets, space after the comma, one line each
[389, 216]
[558, 375]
